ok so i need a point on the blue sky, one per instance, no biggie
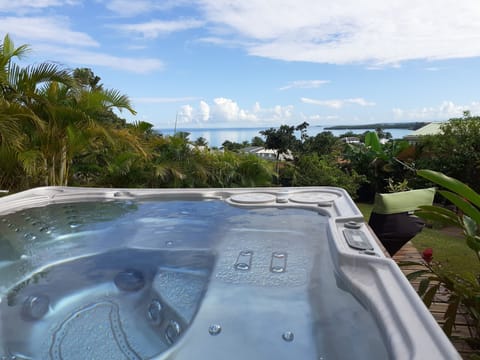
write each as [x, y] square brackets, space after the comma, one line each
[262, 63]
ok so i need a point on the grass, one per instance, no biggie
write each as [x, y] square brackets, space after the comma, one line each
[449, 249]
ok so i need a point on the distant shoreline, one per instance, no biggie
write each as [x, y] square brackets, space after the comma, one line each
[403, 125]
[216, 137]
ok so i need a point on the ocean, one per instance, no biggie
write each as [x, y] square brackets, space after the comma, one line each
[216, 136]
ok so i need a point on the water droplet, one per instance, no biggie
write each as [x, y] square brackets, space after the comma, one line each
[130, 280]
[29, 236]
[43, 228]
[246, 253]
[155, 312]
[214, 329]
[279, 255]
[278, 269]
[74, 224]
[172, 332]
[288, 336]
[35, 307]
[24, 256]
[242, 266]
[169, 243]
[16, 230]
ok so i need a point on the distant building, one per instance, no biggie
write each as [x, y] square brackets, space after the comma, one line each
[201, 148]
[267, 154]
[433, 128]
[350, 140]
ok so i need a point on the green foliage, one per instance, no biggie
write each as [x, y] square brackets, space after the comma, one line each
[48, 116]
[314, 170]
[257, 141]
[400, 186]
[464, 288]
[464, 198]
[455, 152]
[281, 139]
[87, 79]
[232, 146]
[201, 141]
[378, 162]
[322, 144]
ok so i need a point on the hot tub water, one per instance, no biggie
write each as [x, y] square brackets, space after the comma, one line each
[177, 279]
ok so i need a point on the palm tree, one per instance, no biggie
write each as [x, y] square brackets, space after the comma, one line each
[46, 115]
[14, 116]
[69, 114]
[10, 113]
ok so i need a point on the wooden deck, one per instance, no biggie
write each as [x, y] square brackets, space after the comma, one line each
[439, 306]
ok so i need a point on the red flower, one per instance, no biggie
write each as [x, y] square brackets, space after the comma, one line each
[427, 255]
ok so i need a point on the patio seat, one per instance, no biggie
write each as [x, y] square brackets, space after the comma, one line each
[393, 219]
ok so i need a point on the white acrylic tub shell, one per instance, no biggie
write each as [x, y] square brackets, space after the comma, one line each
[409, 330]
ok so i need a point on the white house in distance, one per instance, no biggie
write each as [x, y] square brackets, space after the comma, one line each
[350, 140]
[434, 128]
[267, 154]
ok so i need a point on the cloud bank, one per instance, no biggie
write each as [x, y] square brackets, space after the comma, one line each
[224, 112]
[377, 33]
[444, 111]
[155, 28]
[349, 31]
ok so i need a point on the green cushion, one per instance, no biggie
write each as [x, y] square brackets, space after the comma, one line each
[402, 201]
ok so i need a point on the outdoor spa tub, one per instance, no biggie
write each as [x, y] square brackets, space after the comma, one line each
[258, 273]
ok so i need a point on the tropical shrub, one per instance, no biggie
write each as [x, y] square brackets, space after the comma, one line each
[463, 290]
[47, 117]
[377, 162]
[455, 152]
[314, 170]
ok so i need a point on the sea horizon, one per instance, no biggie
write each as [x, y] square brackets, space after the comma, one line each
[215, 137]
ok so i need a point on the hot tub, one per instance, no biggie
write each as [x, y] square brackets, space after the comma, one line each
[264, 273]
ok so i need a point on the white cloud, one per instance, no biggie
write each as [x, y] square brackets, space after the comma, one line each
[360, 101]
[304, 84]
[51, 29]
[227, 112]
[318, 117]
[349, 31]
[185, 115]
[25, 6]
[93, 58]
[204, 111]
[338, 103]
[446, 110]
[153, 29]
[129, 8]
[72, 47]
